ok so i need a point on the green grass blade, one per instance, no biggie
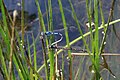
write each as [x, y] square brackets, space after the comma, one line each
[5, 27]
[31, 71]
[97, 61]
[78, 25]
[35, 56]
[43, 29]
[4, 16]
[67, 39]
[21, 59]
[22, 22]
[101, 12]
[106, 27]
[42, 25]
[20, 71]
[89, 15]
[50, 28]
[63, 63]
[96, 26]
[4, 64]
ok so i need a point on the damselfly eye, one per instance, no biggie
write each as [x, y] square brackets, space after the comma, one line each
[48, 33]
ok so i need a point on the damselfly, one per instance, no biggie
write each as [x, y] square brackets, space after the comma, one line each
[53, 45]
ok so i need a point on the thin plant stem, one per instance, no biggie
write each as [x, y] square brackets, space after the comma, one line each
[22, 21]
[35, 57]
[62, 76]
[45, 58]
[29, 59]
[96, 41]
[42, 28]
[67, 39]
[106, 27]
[3, 64]
[101, 12]
[79, 68]
[12, 43]
[51, 40]
[79, 28]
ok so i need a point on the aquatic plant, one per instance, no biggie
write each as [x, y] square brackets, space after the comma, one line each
[15, 52]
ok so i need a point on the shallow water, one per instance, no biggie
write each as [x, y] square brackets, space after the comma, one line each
[80, 9]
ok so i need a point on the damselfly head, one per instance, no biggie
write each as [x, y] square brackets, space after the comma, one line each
[47, 33]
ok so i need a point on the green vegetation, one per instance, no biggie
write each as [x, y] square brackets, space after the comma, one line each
[17, 63]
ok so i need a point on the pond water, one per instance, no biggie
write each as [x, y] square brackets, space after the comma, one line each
[113, 42]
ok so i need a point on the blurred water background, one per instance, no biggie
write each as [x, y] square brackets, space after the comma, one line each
[113, 41]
